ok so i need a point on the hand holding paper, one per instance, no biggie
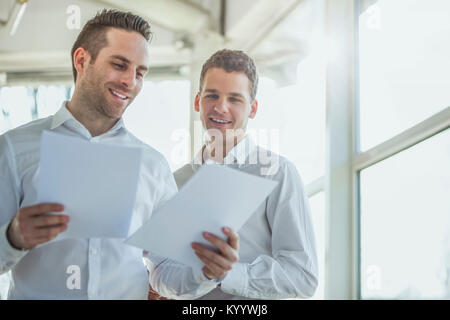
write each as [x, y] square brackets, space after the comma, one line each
[216, 196]
[218, 264]
[32, 226]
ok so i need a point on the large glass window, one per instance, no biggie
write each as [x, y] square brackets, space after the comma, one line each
[405, 223]
[404, 66]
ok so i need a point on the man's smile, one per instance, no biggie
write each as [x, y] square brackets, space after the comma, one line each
[118, 95]
[219, 121]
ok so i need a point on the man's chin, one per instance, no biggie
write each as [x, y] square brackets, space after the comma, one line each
[113, 112]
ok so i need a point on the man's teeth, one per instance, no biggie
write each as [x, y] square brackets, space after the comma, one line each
[118, 95]
[219, 121]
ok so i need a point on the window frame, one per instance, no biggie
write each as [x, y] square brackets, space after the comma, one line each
[421, 131]
[344, 159]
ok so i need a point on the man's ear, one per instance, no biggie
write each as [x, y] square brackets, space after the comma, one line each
[253, 109]
[197, 102]
[80, 60]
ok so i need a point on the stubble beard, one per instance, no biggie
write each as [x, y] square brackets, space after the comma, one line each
[94, 98]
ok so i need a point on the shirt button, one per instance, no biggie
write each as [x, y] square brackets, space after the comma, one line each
[93, 251]
[91, 293]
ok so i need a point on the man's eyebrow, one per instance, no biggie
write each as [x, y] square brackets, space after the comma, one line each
[125, 60]
[235, 94]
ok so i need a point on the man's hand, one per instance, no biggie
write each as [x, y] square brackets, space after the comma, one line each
[33, 226]
[153, 295]
[218, 264]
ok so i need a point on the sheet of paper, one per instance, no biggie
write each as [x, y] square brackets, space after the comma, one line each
[216, 196]
[96, 182]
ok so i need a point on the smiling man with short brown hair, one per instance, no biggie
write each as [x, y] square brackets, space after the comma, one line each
[277, 250]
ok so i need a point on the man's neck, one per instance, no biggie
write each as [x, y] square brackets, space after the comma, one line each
[89, 117]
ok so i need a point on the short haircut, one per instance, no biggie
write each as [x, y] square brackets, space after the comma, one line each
[232, 60]
[93, 36]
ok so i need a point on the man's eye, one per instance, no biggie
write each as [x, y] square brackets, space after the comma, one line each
[212, 96]
[139, 75]
[119, 66]
[235, 100]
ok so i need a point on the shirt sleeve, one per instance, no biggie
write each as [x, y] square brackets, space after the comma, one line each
[291, 271]
[9, 199]
[174, 280]
[170, 278]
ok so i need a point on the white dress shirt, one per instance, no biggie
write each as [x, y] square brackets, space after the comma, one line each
[109, 269]
[277, 254]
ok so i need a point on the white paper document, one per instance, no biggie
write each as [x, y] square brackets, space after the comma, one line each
[215, 197]
[96, 183]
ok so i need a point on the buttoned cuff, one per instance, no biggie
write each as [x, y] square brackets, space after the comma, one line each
[236, 280]
[7, 253]
[200, 278]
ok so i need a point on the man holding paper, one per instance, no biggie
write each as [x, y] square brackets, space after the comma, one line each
[110, 59]
[277, 252]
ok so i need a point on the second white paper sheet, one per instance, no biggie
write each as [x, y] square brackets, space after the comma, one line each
[215, 197]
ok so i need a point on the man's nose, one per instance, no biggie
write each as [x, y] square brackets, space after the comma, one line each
[221, 105]
[128, 79]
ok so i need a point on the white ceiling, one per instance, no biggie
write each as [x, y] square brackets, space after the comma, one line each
[269, 30]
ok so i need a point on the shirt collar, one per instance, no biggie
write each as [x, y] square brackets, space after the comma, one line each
[63, 115]
[237, 155]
